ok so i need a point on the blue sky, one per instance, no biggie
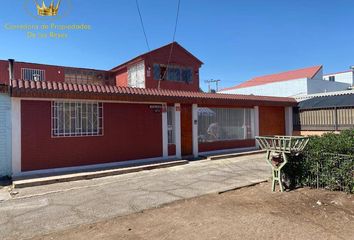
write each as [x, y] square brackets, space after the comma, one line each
[235, 39]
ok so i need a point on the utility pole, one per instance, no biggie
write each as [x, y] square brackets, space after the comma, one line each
[213, 81]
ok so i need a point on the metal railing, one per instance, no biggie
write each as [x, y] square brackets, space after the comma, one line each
[329, 171]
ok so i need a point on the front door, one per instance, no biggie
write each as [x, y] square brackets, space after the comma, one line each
[186, 130]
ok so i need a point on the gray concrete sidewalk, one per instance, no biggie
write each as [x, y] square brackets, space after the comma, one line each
[43, 209]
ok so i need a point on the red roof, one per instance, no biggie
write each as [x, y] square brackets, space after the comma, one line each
[47, 89]
[309, 72]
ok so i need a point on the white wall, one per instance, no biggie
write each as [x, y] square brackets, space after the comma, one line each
[345, 77]
[280, 89]
[5, 135]
[319, 75]
[321, 86]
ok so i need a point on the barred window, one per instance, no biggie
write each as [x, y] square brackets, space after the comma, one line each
[171, 125]
[220, 124]
[32, 74]
[77, 119]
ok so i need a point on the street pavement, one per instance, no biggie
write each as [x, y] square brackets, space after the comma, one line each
[39, 210]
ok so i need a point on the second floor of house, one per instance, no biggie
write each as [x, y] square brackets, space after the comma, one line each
[169, 67]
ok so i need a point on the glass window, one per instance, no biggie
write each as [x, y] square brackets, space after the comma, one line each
[174, 73]
[220, 124]
[156, 72]
[77, 119]
[171, 125]
[136, 75]
[187, 75]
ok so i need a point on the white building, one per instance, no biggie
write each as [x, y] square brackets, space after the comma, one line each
[290, 84]
[5, 133]
[344, 77]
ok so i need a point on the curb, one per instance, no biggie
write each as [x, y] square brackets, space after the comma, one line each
[91, 175]
[232, 155]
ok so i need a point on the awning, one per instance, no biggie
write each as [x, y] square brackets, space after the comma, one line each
[328, 102]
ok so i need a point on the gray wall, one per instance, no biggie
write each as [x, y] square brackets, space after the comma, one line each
[5, 135]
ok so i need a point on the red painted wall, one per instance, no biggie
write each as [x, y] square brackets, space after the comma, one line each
[221, 145]
[160, 56]
[4, 72]
[271, 121]
[52, 73]
[122, 77]
[131, 131]
[180, 58]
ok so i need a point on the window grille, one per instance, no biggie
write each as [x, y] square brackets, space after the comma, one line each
[171, 125]
[32, 74]
[77, 119]
[220, 124]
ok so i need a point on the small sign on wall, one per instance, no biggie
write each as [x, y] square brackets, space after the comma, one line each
[158, 108]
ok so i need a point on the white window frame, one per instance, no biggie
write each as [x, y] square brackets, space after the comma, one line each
[77, 116]
[171, 129]
[30, 74]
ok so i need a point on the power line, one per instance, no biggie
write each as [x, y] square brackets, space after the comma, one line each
[142, 25]
[173, 41]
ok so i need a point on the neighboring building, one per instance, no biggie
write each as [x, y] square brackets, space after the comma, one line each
[344, 77]
[66, 118]
[288, 84]
[300, 98]
[5, 131]
[330, 112]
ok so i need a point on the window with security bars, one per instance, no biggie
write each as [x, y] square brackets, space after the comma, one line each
[171, 125]
[71, 119]
[32, 74]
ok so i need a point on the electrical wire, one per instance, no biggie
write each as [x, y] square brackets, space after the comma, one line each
[142, 25]
[172, 45]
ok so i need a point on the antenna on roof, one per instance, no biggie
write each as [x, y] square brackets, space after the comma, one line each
[216, 83]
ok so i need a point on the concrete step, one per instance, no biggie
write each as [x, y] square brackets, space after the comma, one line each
[45, 180]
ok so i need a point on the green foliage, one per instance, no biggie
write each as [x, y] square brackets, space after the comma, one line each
[328, 162]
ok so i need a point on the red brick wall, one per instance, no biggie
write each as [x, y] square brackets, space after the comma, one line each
[131, 131]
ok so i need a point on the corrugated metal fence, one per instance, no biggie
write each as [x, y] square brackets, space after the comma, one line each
[331, 119]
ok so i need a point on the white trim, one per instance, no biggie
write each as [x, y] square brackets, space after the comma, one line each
[195, 129]
[92, 167]
[256, 123]
[288, 121]
[230, 150]
[164, 132]
[16, 135]
[178, 130]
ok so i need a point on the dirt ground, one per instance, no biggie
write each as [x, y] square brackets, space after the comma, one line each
[248, 213]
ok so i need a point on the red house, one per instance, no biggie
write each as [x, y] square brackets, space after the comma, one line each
[147, 109]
